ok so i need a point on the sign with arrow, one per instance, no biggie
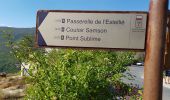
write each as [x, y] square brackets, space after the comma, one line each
[91, 29]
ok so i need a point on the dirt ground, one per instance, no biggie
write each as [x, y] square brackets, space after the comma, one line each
[12, 87]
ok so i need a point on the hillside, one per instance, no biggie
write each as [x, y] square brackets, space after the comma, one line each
[7, 61]
[18, 32]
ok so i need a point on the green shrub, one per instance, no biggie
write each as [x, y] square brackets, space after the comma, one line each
[72, 74]
[64, 74]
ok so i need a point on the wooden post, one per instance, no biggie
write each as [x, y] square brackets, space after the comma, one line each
[155, 45]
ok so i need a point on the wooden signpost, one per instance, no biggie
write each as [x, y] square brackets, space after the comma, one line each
[155, 47]
[112, 30]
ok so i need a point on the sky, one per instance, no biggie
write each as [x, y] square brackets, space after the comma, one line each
[22, 13]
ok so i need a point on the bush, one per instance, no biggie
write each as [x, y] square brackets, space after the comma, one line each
[64, 74]
[72, 74]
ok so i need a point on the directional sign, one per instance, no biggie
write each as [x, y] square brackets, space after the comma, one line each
[91, 29]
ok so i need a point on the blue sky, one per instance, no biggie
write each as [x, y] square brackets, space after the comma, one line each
[22, 13]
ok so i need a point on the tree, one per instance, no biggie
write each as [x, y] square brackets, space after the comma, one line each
[7, 60]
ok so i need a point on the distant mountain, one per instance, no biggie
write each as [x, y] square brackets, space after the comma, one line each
[7, 62]
[18, 32]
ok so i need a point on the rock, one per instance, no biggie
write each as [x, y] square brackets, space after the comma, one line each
[3, 74]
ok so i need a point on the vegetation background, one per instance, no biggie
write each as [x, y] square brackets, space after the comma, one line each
[8, 62]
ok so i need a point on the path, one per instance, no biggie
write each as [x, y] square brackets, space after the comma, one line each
[138, 71]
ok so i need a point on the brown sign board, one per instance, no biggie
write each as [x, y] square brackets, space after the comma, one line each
[91, 29]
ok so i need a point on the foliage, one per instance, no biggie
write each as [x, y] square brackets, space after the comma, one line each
[10, 35]
[78, 74]
[7, 61]
[73, 74]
